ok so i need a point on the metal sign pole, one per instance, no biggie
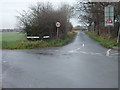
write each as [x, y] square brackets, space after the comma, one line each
[118, 35]
[109, 32]
[119, 30]
[93, 28]
[57, 31]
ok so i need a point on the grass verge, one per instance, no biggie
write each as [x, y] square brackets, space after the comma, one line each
[103, 41]
[25, 44]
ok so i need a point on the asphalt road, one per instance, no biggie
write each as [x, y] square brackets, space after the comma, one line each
[82, 63]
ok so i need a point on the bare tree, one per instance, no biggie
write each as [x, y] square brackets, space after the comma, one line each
[89, 12]
[40, 20]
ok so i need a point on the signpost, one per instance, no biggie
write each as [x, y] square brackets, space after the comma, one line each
[58, 26]
[109, 17]
[118, 35]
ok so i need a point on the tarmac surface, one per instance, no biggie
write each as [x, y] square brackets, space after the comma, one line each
[83, 63]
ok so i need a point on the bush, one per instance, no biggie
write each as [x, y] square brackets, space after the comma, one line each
[40, 20]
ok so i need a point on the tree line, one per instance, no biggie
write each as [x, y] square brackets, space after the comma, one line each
[92, 15]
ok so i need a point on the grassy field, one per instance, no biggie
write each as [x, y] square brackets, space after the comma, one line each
[16, 40]
[103, 41]
[13, 36]
[9, 39]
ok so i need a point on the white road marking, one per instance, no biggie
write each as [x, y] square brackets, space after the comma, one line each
[74, 50]
[98, 54]
[78, 49]
[4, 61]
[91, 53]
[115, 54]
[71, 51]
[108, 52]
[84, 52]
[83, 45]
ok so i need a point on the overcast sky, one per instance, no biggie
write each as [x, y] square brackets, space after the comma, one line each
[10, 8]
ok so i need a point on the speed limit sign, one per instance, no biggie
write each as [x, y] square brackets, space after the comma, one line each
[58, 24]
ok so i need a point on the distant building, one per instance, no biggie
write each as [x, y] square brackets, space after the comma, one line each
[77, 28]
[80, 28]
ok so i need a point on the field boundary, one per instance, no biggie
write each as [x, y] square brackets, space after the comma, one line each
[25, 44]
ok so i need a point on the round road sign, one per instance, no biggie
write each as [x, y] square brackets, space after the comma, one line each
[58, 24]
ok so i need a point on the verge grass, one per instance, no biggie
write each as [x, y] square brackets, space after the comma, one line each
[103, 41]
[13, 40]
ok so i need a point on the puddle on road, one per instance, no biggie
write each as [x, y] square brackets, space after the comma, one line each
[71, 52]
[42, 53]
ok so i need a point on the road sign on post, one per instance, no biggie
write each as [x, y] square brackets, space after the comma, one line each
[58, 26]
[109, 16]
